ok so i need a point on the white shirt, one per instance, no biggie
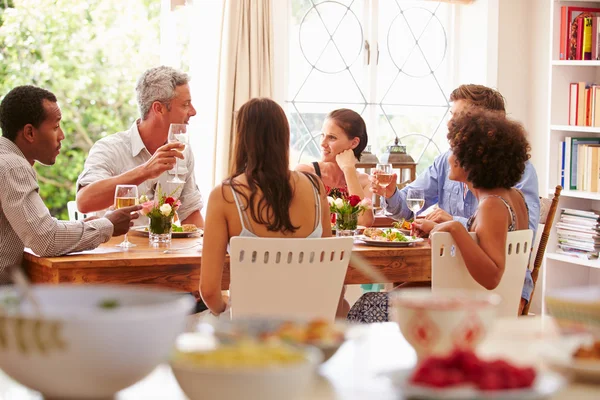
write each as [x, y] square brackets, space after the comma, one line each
[25, 221]
[123, 151]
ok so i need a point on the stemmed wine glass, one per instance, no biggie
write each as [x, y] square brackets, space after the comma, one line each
[178, 133]
[125, 196]
[384, 178]
[415, 199]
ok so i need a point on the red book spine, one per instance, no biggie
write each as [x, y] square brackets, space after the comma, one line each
[564, 28]
[580, 24]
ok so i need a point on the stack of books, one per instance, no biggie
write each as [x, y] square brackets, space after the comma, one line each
[579, 233]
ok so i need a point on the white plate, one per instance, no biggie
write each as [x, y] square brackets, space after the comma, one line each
[368, 241]
[558, 355]
[546, 384]
[143, 231]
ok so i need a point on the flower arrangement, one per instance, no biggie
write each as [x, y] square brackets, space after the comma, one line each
[347, 209]
[160, 212]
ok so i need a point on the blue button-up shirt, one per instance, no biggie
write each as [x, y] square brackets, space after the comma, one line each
[451, 197]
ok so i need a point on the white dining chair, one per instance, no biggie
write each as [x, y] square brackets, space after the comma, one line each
[74, 214]
[287, 278]
[448, 270]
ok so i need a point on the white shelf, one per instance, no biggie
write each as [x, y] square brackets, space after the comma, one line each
[576, 63]
[574, 128]
[577, 194]
[573, 260]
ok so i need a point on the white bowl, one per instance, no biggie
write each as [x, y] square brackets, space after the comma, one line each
[78, 350]
[435, 323]
[258, 383]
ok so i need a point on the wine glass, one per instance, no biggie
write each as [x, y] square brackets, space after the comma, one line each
[415, 199]
[384, 179]
[125, 196]
[178, 134]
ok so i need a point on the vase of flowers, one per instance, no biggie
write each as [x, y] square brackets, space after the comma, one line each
[347, 210]
[160, 212]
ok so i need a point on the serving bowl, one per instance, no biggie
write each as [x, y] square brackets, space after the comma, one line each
[245, 372]
[90, 341]
[435, 323]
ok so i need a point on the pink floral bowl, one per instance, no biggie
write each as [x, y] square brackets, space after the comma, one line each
[436, 323]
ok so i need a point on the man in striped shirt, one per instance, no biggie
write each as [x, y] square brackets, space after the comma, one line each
[30, 123]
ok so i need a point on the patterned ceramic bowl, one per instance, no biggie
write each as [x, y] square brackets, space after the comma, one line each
[576, 310]
[91, 340]
[436, 323]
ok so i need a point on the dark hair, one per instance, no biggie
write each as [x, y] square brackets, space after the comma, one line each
[353, 125]
[21, 106]
[492, 149]
[262, 147]
[480, 96]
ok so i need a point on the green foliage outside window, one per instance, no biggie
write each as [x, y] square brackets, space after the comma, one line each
[90, 54]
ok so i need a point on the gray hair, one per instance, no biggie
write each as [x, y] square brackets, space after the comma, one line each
[158, 84]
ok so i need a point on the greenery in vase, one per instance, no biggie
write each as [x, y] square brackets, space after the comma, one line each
[160, 211]
[347, 210]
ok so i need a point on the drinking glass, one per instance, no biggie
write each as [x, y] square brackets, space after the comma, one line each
[178, 134]
[384, 179]
[125, 196]
[415, 199]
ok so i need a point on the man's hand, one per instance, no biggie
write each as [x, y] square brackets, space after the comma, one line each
[380, 191]
[438, 215]
[122, 219]
[163, 159]
[346, 159]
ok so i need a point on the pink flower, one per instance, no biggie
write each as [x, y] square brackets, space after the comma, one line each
[177, 204]
[147, 207]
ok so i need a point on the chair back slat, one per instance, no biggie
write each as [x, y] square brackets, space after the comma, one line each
[541, 250]
[288, 278]
[450, 272]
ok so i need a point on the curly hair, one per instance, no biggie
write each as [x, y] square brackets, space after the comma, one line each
[479, 95]
[353, 126]
[21, 106]
[491, 149]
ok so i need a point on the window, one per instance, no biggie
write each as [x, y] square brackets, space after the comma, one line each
[387, 60]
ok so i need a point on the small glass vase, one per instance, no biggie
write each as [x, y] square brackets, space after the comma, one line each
[345, 224]
[159, 230]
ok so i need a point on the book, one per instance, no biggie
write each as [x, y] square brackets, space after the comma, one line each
[581, 104]
[567, 184]
[570, 28]
[575, 143]
[579, 36]
[586, 46]
[573, 96]
[561, 163]
[563, 33]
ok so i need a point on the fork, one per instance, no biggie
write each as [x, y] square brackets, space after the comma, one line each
[183, 248]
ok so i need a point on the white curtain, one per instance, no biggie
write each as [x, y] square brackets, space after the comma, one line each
[245, 70]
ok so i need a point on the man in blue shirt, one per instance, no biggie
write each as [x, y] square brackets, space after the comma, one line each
[454, 200]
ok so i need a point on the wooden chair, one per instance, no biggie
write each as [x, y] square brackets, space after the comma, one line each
[74, 214]
[547, 211]
[287, 278]
[448, 270]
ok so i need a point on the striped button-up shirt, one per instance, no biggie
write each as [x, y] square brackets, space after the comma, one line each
[123, 151]
[25, 221]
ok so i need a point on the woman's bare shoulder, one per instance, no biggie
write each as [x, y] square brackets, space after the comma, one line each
[305, 168]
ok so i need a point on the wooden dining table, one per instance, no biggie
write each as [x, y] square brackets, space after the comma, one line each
[179, 268]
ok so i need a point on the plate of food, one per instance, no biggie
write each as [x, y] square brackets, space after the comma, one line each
[183, 231]
[462, 375]
[404, 226]
[576, 355]
[390, 237]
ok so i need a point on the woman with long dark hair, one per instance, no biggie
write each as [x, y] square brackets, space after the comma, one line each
[261, 197]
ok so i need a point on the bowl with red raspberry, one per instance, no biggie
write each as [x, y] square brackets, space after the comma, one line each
[435, 323]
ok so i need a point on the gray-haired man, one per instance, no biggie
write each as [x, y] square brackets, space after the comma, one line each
[141, 155]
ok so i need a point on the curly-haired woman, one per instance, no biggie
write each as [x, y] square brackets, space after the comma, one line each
[489, 153]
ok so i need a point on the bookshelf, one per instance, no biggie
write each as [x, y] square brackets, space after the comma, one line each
[561, 270]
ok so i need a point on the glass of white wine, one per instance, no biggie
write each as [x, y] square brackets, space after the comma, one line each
[415, 199]
[126, 196]
[178, 134]
[384, 179]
